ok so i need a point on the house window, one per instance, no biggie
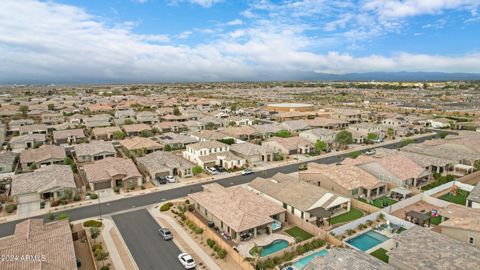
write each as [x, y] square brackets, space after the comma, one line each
[471, 240]
[285, 205]
[302, 215]
[293, 210]
[206, 214]
[354, 192]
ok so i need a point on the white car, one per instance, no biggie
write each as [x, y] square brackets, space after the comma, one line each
[170, 178]
[211, 170]
[187, 261]
[371, 152]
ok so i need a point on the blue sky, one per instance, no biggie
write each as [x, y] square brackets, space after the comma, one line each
[217, 40]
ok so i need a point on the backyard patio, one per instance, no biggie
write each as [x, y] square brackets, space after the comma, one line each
[353, 214]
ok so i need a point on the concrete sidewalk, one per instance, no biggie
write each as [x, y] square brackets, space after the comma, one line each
[204, 257]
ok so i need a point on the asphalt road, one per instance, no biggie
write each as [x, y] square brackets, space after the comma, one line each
[150, 251]
[151, 198]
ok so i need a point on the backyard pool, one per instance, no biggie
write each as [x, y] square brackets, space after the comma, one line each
[273, 247]
[300, 264]
[367, 240]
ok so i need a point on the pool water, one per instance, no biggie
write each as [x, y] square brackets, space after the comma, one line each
[273, 247]
[300, 264]
[367, 240]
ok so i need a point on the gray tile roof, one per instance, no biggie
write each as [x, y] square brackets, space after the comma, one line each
[347, 259]
[42, 153]
[161, 161]
[44, 179]
[93, 148]
[421, 248]
[474, 195]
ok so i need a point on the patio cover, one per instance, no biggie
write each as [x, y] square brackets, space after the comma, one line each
[401, 190]
[418, 215]
[320, 212]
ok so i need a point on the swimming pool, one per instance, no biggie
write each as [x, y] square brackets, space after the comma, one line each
[300, 264]
[366, 241]
[273, 247]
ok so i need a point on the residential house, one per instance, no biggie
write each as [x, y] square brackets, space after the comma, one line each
[136, 129]
[7, 162]
[347, 180]
[162, 163]
[39, 246]
[360, 131]
[145, 145]
[318, 134]
[52, 118]
[245, 133]
[211, 153]
[439, 123]
[14, 125]
[111, 172]
[347, 259]
[352, 116]
[396, 121]
[165, 127]
[33, 129]
[267, 130]
[176, 141]
[69, 136]
[327, 123]
[252, 153]
[295, 126]
[123, 115]
[237, 211]
[432, 251]
[98, 120]
[42, 156]
[210, 135]
[293, 115]
[289, 146]
[94, 150]
[147, 117]
[308, 202]
[461, 223]
[19, 143]
[172, 118]
[105, 133]
[46, 183]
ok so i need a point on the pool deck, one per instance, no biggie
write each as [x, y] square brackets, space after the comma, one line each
[387, 243]
[306, 255]
[263, 240]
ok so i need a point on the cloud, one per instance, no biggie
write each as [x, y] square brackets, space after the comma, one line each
[67, 44]
[184, 34]
[202, 3]
[406, 8]
[235, 22]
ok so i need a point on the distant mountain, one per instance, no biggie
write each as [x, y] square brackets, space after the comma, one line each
[397, 76]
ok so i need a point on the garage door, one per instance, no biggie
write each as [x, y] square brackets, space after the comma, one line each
[160, 174]
[102, 185]
[27, 198]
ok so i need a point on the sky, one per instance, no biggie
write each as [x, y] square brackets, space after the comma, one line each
[92, 41]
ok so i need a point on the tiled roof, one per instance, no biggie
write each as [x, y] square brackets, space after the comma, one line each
[160, 160]
[93, 148]
[347, 176]
[105, 169]
[64, 134]
[44, 179]
[32, 237]
[139, 143]
[207, 144]
[347, 259]
[237, 207]
[42, 153]
[136, 127]
[461, 217]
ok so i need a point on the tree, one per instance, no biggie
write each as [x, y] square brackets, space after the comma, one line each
[210, 126]
[176, 111]
[167, 147]
[127, 122]
[232, 124]
[101, 255]
[51, 107]
[118, 135]
[321, 146]
[24, 110]
[197, 170]
[146, 133]
[94, 232]
[344, 137]
[372, 136]
[283, 134]
[390, 132]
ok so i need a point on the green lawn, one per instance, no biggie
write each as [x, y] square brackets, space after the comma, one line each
[380, 254]
[436, 220]
[382, 202]
[353, 214]
[461, 197]
[298, 233]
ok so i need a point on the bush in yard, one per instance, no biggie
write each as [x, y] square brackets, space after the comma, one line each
[100, 255]
[105, 267]
[93, 196]
[92, 223]
[210, 243]
[222, 253]
[76, 197]
[54, 204]
[116, 189]
[96, 246]
[63, 216]
[300, 250]
[10, 208]
[197, 170]
[166, 207]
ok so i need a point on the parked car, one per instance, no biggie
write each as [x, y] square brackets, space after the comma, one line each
[187, 261]
[371, 152]
[302, 167]
[247, 171]
[219, 168]
[165, 234]
[211, 170]
[379, 140]
[162, 180]
[170, 178]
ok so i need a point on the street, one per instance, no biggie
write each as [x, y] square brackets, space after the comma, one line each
[151, 198]
[150, 251]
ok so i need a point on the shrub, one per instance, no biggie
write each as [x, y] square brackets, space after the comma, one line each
[300, 250]
[92, 223]
[166, 207]
[54, 204]
[96, 246]
[116, 189]
[210, 243]
[10, 208]
[62, 216]
[76, 197]
[222, 253]
[93, 196]
[105, 267]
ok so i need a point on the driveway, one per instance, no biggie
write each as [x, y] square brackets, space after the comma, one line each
[150, 252]
[27, 208]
